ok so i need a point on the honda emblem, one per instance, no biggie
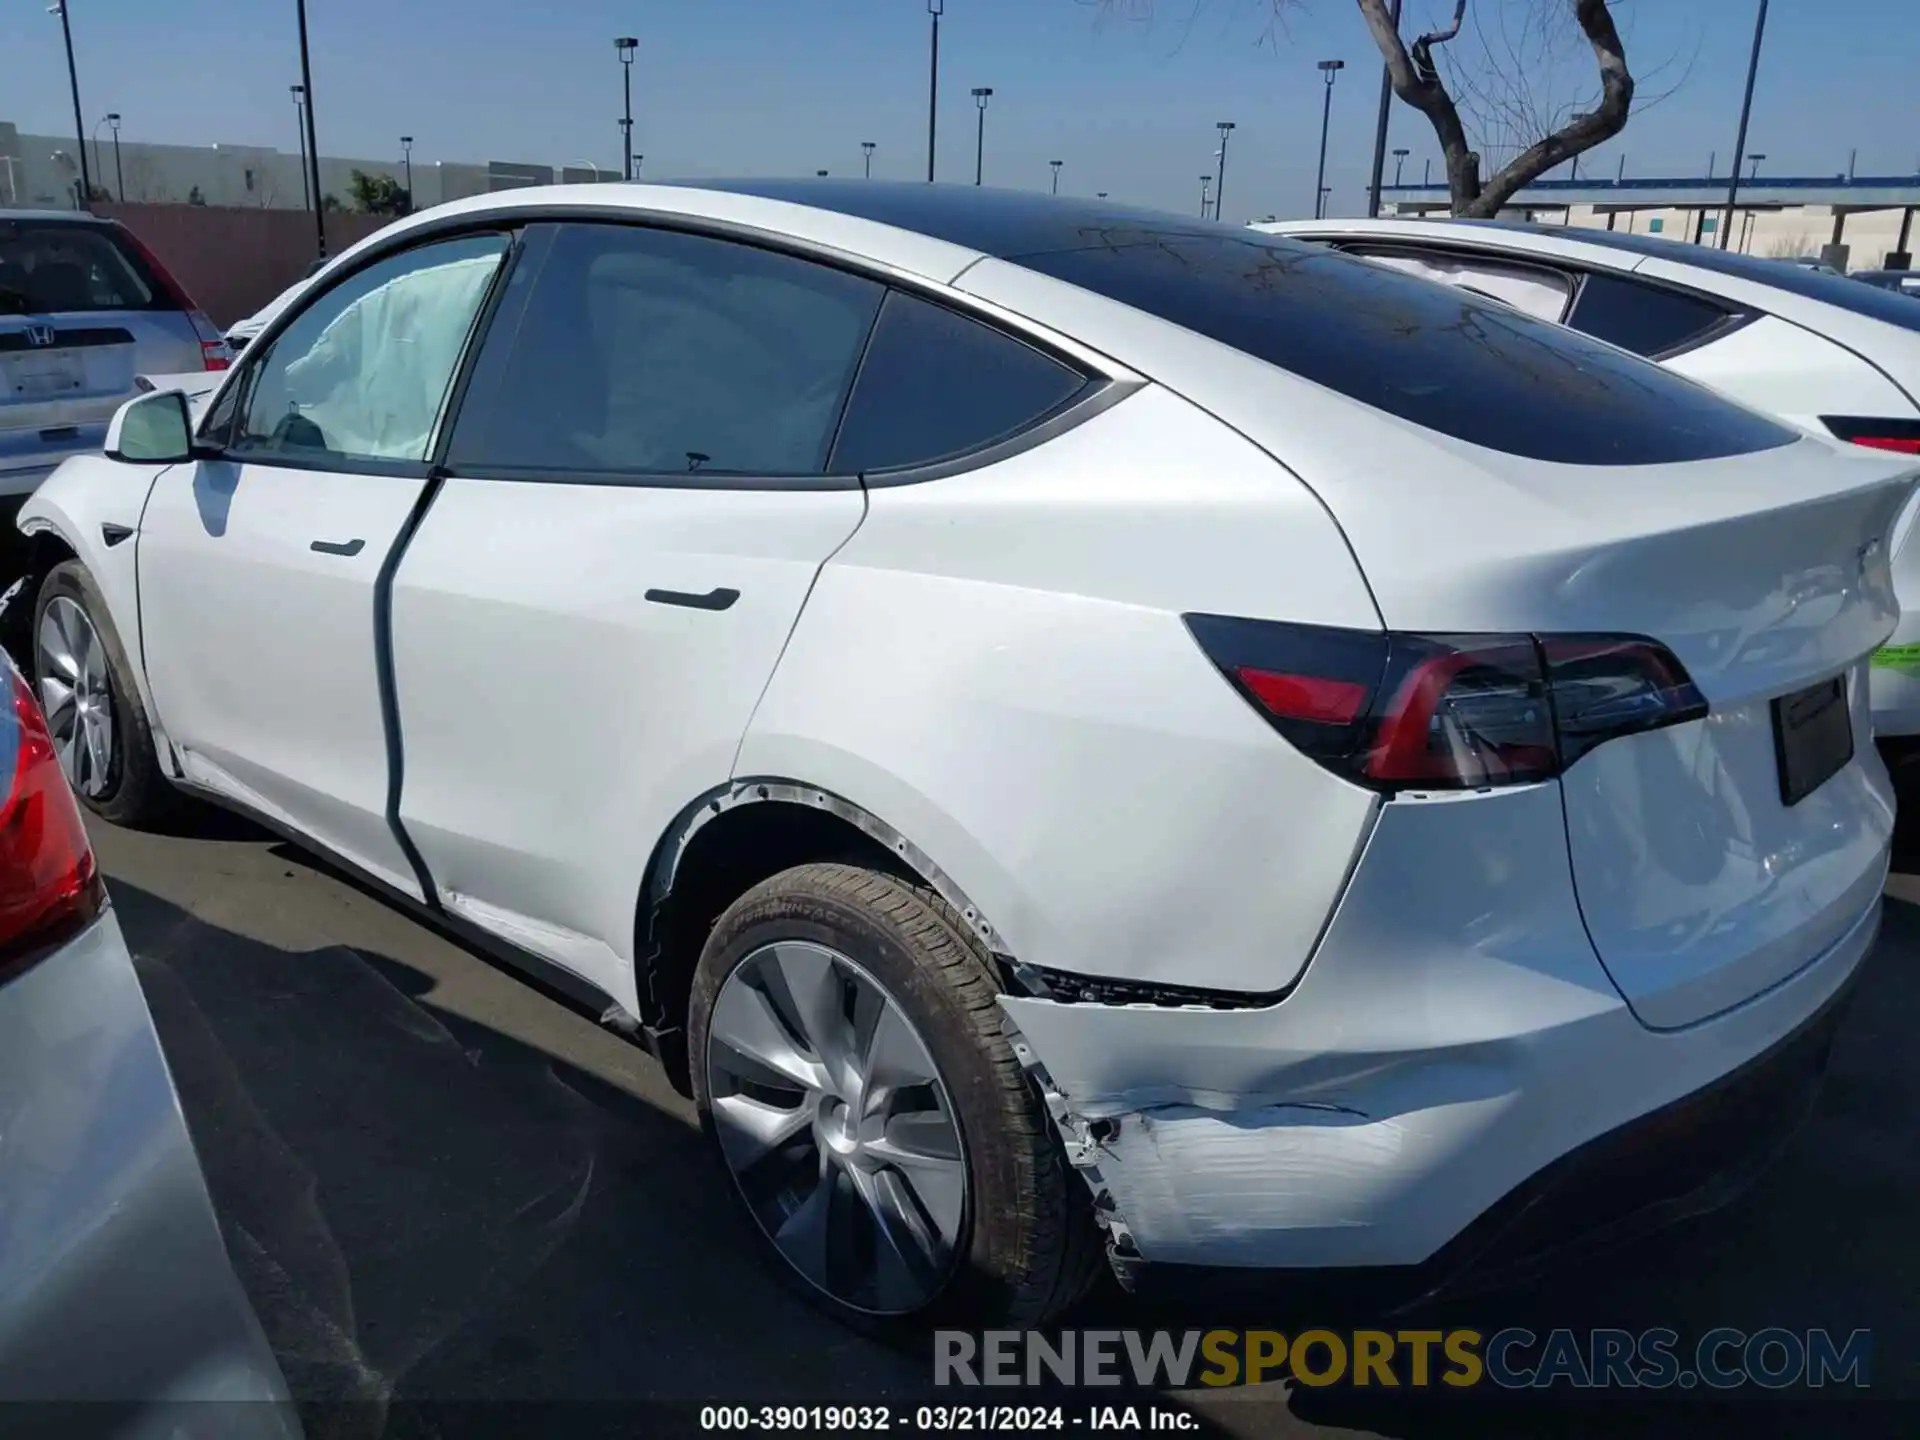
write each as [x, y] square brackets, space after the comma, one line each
[41, 335]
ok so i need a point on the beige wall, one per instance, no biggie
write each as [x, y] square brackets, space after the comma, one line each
[233, 260]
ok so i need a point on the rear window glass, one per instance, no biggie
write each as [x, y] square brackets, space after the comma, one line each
[1435, 356]
[65, 268]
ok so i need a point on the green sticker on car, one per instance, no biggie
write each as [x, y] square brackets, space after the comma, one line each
[1904, 658]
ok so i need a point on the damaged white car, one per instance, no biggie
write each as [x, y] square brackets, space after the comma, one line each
[1059, 724]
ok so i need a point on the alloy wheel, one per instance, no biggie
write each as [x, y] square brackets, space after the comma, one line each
[77, 695]
[837, 1127]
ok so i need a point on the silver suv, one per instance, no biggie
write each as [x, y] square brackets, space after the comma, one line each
[84, 307]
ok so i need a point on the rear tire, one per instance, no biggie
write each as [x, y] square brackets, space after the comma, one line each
[1025, 1245]
[79, 665]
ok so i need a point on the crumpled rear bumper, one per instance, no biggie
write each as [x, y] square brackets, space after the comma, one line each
[1454, 1047]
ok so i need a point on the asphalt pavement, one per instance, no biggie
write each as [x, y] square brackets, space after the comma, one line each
[441, 1187]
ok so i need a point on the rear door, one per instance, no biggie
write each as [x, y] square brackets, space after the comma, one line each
[81, 313]
[259, 569]
[637, 502]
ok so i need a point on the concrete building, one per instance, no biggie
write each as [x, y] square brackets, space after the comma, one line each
[1854, 222]
[40, 171]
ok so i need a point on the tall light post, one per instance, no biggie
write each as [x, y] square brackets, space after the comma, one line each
[313, 144]
[625, 47]
[406, 152]
[300, 125]
[866, 154]
[97, 163]
[79, 125]
[1380, 129]
[1205, 181]
[1056, 164]
[1427, 179]
[1226, 128]
[1746, 110]
[1399, 161]
[981, 95]
[1331, 70]
[119, 175]
[1754, 160]
[820, 174]
[935, 8]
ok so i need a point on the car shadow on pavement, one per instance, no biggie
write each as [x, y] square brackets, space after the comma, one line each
[422, 1209]
[429, 1213]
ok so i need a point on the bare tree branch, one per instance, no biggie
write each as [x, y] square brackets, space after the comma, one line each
[1502, 88]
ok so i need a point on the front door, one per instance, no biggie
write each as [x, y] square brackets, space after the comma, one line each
[259, 569]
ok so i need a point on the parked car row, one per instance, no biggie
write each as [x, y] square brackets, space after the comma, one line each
[1067, 729]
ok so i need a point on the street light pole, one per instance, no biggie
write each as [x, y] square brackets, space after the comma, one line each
[935, 8]
[1399, 163]
[625, 47]
[1380, 131]
[866, 151]
[79, 125]
[1331, 70]
[1754, 160]
[313, 144]
[1205, 181]
[1056, 164]
[406, 149]
[1746, 109]
[980, 98]
[300, 124]
[1226, 128]
[119, 175]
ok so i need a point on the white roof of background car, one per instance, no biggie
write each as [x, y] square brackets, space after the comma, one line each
[1830, 305]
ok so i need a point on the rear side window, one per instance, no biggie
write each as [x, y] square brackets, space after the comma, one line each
[937, 384]
[67, 267]
[1434, 356]
[654, 352]
[1646, 319]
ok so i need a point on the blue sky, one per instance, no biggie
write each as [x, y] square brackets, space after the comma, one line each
[735, 87]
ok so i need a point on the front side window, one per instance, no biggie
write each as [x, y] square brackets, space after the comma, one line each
[653, 352]
[937, 384]
[363, 372]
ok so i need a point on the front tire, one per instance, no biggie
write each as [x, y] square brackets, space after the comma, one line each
[850, 1069]
[85, 684]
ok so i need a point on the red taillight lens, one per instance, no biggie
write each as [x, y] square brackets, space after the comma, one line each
[49, 887]
[1899, 436]
[215, 354]
[1465, 712]
[1447, 712]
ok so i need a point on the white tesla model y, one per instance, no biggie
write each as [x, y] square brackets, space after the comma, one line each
[1058, 723]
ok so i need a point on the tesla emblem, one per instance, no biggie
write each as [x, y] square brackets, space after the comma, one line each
[39, 335]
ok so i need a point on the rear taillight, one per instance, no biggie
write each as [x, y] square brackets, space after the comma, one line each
[1447, 712]
[216, 354]
[49, 887]
[1900, 436]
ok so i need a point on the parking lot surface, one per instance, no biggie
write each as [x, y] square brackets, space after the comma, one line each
[440, 1186]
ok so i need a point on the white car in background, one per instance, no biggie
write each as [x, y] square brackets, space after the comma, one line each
[1824, 351]
[1047, 717]
[241, 332]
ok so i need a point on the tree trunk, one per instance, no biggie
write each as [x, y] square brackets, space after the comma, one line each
[1427, 93]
